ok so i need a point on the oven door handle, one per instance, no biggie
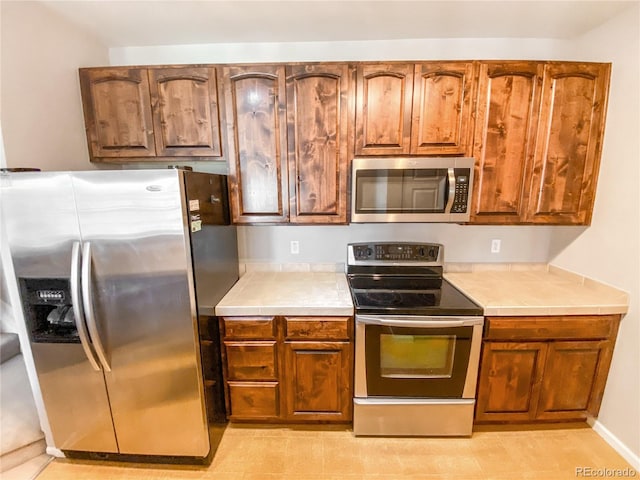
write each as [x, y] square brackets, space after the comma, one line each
[428, 322]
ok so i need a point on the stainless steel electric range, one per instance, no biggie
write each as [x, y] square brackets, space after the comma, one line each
[417, 342]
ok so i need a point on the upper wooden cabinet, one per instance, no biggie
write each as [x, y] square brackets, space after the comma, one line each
[569, 143]
[133, 114]
[442, 104]
[423, 109]
[538, 141]
[319, 141]
[117, 112]
[290, 131]
[255, 111]
[383, 106]
[290, 138]
[504, 141]
[185, 111]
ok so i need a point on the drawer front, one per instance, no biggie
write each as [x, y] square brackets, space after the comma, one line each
[550, 328]
[249, 327]
[251, 360]
[325, 328]
[253, 400]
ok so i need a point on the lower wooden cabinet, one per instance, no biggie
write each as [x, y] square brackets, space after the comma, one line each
[544, 368]
[288, 369]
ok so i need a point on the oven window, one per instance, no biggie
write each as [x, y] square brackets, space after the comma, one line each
[428, 362]
[401, 190]
[416, 356]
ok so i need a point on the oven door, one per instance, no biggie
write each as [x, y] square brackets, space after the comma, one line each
[417, 357]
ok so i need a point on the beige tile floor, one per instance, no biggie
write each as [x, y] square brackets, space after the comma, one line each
[254, 452]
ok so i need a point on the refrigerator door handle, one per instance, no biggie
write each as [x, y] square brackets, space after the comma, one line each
[87, 301]
[78, 313]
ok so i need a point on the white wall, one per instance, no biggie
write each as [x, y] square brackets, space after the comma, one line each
[41, 113]
[610, 250]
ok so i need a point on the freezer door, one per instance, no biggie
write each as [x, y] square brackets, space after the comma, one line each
[39, 214]
[143, 302]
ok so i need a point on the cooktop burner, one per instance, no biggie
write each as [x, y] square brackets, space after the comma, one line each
[403, 279]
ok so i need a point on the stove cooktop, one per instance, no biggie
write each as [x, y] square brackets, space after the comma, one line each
[390, 278]
[444, 301]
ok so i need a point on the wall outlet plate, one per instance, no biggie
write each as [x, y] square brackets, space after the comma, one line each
[495, 246]
[295, 247]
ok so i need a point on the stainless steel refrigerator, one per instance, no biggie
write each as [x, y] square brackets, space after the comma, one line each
[113, 267]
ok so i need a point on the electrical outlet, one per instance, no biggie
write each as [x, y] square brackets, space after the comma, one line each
[295, 247]
[495, 246]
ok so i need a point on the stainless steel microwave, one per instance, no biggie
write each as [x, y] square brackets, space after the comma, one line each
[411, 189]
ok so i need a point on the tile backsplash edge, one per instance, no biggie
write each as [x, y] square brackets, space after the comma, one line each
[245, 267]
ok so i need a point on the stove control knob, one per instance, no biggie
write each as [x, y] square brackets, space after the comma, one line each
[421, 252]
[433, 253]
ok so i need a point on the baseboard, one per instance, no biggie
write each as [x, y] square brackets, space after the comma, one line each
[21, 455]
[615, 442]
[54, 452]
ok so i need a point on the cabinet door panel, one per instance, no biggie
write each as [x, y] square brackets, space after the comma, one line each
[318, 117]
[442, 108]
[383, 109]
[510, 375]
[572, 372]
[185, 113]
[255, 99]
[117, 109]
[507, 112]
[569, 143]
[318, 385]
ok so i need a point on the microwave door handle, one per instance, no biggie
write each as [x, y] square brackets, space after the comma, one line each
[87, 300]
[452, 189]
[78, 313]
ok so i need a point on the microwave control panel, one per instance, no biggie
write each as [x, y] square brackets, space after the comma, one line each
[423, 252]
[461, 195]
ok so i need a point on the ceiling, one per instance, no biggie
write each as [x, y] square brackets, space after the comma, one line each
[152, 22]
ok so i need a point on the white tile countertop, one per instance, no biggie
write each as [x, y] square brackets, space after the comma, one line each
[537, 290]
[501, 289]
[288, 293]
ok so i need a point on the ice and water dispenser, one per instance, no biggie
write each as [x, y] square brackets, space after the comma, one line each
[48, 310]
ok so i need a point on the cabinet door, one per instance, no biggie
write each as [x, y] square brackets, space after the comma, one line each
[318, 120]
[255, 112]
[574, 378]
[506, 118]
[569, 143]
[185, 111]
[117, 112]
[509, 382]
[442, 96]
[318, 380]
[383, 109]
